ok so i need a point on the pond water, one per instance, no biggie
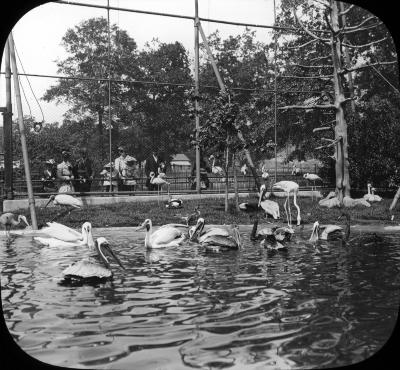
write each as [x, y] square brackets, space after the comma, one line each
[312, 306]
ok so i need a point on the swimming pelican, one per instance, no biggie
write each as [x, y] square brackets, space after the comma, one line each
[330, 231]
[371, 196]
[216, 169]
[65, 233]
[163, 237]
[65, 201]
[9, 219]
[219, 243]
[93, 268]
[312, 177]
[272, 237]
[198, 234]
[63, 236]
[289, 187]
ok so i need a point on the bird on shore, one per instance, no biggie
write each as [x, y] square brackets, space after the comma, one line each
[159, 181]
[243, 169]
[330, 201]
[66, 201]
[312, 177]
[350, 202]
[289, 187]
[95, 267]
[163, 237]
[217, 170]
[371, 196]
[264, 172]
[9, 219]
[173, 203]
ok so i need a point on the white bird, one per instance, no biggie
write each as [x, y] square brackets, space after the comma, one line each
[330, 231]
[94, 268]
[330, 201]
[9, 220]
[272, 237]
[216, 169]
[163, 237]
[173, 202]
[65, 201]
[159, 181]
[243, 169]
[350, 202]
[200, 235]
[264, 172]
[269, 206]
[289, 187]
[63, 236]
[312, 177]
[371, 196]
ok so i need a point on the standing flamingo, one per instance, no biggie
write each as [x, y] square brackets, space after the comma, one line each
[312, 177]
[9, 219]
[159, 181]
[289, 187]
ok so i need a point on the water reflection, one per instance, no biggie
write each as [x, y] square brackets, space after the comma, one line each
[328, 304]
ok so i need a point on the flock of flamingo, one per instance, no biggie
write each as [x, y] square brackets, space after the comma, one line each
[210, 238]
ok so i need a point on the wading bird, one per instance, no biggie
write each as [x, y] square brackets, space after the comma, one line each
[163, 237]
[269, 206]
[289, 187]
[9, 220]
[371, 196]
[159, 181]
[65, 201]
[312, 177]
[63, 236]
[94, 268]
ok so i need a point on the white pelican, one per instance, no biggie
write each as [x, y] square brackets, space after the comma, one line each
[330, 201]
[167, 236]
[350, 202]
[65, 201]
[371, 196]
[289, 187]
[93, 268]
[330, 231]
[216, 169]
[218, 243]
[312, 177]
[269, 206]
[63, 236]
[197, 234]
[9, 219]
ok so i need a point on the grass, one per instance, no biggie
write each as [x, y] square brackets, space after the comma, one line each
[212, 209]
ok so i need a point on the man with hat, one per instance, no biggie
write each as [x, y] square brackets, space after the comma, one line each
[84, 171]
[64, 173]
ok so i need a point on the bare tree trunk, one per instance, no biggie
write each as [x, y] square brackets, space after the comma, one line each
[395, 199]
[101, 139]
[235, 182]
[341, 149]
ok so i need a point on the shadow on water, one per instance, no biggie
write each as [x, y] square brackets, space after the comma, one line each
[313, 305]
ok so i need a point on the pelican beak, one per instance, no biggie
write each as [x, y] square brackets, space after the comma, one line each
[197, 230]
[23, 218]
[48, 202]
[238, 237]
[141, 227]
[105, 249]
[314, 230]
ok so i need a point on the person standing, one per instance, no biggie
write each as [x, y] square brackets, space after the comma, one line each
[119, 165]
[65, 173]
[109, 173]
[152, 165]
[84, 172]
[129, 173]
[48, 177]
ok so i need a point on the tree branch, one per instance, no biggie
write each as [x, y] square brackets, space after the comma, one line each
[363, 28]
[347, 70]
[365, 45]
[333, 143]
[301, 46]
[347, 10]
[303, 66]
[322, 3]
[359, 25]
[319, 58]
[326, 106]
[321, 129]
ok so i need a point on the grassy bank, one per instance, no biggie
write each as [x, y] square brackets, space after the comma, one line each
[132, 214]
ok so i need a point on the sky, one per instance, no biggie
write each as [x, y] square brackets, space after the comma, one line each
[38, 34]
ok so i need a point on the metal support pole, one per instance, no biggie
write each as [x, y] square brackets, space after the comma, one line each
[275, 93]
[196, 93]
[109, 95]
[7, 129]
[31, 198]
